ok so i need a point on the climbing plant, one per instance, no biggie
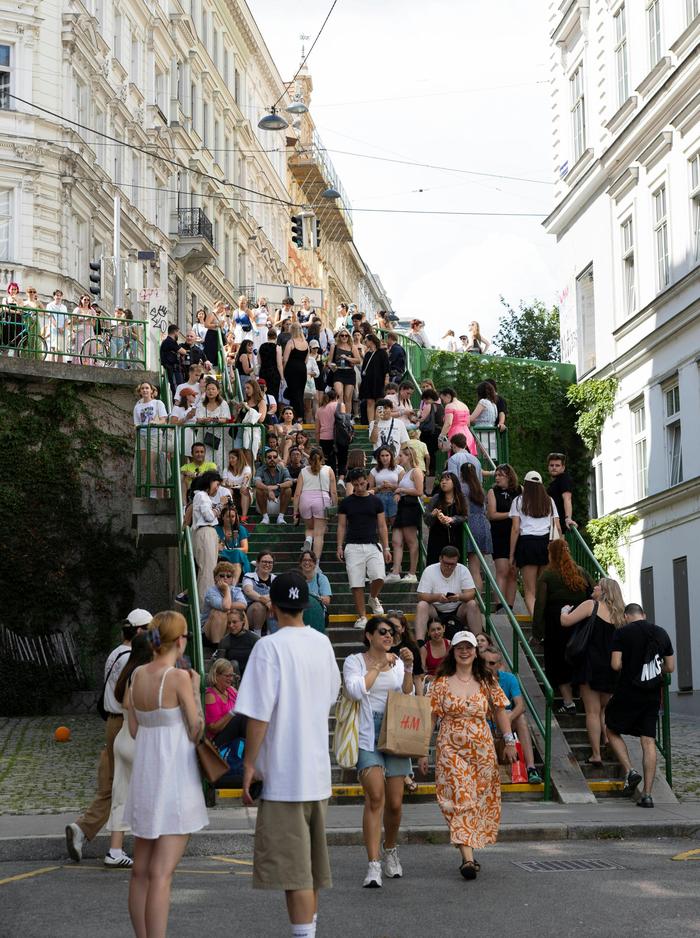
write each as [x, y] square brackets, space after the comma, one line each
[606, 534]
[63, 566]
[594, 402]
[540, 418]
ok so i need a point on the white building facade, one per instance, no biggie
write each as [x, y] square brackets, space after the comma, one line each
[626, 139]
[155, 102]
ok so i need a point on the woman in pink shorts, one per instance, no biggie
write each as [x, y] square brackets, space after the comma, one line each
[314, 494]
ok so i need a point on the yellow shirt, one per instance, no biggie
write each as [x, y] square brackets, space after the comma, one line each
[422, 454]
[198, 470]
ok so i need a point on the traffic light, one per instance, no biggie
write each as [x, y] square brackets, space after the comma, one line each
[298, 230]
[96, 278]
[318, 233]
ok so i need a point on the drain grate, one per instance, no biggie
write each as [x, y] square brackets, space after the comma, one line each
[565, 866]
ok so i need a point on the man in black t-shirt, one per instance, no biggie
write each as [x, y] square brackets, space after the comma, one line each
[561, 488]
[191, 352]
[170, 357]
[361, 526]
[642, 653]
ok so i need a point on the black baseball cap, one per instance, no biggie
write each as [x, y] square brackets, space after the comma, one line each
[290, 591]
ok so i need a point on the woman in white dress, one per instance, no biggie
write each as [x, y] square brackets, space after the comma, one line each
[261, 319]
[124, 748]
[165, 803]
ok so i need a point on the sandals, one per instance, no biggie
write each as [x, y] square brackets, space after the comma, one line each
[468, 869]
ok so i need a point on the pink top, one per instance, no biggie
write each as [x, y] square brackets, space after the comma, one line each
[326, 420]
[460, 424]
[219, 708]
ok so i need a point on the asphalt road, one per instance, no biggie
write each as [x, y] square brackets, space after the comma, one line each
[649, 894]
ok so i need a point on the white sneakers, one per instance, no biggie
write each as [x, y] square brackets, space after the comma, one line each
[265, 519]
[308, 544]
[121, 861]
[392, 578]
[280, 519]
[410, 578]
[375, 606]
[75, 839]
[391, 863]
[360, 622]
[373, 879]
[392, 868]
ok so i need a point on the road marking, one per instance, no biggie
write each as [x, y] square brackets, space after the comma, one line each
[688, 855]
[14, 879]
[232, 860]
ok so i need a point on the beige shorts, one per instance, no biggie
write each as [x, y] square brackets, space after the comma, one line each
[363, 560]
[290, 846]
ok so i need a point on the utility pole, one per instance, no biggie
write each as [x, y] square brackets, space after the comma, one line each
[118, 299]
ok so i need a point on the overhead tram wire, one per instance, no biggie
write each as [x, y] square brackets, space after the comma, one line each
[147, 152]
[311, 48]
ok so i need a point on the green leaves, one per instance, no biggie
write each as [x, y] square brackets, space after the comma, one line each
[529, 332]
[605, 535]
[594, 400]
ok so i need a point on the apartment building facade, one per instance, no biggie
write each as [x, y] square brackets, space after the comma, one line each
[625, 80]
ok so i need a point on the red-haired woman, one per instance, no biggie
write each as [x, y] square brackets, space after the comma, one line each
[561, 583]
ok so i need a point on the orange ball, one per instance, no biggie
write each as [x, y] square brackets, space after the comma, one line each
[62, 734]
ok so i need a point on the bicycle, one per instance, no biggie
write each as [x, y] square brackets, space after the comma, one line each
[30, 343]
[97, 349]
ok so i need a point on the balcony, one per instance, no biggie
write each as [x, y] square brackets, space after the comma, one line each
[194, 242]
[314, 172]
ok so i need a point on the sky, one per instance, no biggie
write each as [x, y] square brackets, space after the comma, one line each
[460, 84]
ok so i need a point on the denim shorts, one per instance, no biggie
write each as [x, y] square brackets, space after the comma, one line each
[392, 765]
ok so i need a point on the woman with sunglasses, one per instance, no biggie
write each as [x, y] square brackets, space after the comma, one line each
[341, 362]
[83, 327]
[446, 513]
[368, 677]
[498, 501]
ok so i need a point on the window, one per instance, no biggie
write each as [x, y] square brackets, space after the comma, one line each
[205, 28]
[5, 225]
[224, 68]
[161, 90]
[205, 124]
[135, 62]
[215, 47]
[692, 8]
[578, 117]
[236, 86]
[218, 155]
[627, 230]
[672, 419]
[585, 321]
[117, 35]
[654, 30]
[621, 75]
[82, 104]
[135, 180]
[639, 446]
[663, 267]
[5, 76]
[227, 257]
[695, 205]
[193, 106]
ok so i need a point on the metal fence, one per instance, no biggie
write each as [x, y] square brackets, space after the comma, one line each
[77, 337]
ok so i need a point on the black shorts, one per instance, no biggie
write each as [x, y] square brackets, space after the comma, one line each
[343, 376]
[633, 716]
[532, 550]
[408, 513]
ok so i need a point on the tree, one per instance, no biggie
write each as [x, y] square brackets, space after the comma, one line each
[529, 331]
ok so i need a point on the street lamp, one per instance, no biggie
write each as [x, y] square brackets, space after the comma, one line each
[297, 106]
[272, 121]
[330, 193]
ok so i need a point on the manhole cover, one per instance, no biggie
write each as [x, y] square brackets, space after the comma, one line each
[565, 866]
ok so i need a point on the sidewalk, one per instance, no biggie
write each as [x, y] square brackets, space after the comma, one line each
[41, 836]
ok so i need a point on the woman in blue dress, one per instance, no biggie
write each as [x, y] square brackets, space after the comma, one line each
[477, 522]
[233, 539]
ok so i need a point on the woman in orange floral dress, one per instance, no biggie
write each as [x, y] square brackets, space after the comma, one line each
[467, 781]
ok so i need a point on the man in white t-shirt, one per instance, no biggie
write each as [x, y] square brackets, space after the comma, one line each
[287, 746]
[91, 822]
[387, 430]
[194, 373]
[446, 592]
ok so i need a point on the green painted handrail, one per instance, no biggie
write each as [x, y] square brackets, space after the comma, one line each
[582, 553]
[520, 644]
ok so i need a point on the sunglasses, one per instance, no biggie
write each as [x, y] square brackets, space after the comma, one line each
[382, 631]
[227, 576]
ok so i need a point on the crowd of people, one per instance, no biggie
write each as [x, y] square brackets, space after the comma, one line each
[32, 324]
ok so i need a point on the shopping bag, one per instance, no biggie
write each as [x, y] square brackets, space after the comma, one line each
[518, 770]
[347, 731]
[407, 725]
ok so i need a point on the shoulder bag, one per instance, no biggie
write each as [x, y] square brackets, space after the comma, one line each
[346, 740]
[212, 764]
[101, 699]
[428, 424]
[577, 644]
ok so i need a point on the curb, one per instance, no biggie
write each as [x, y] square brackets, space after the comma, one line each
[208, 843]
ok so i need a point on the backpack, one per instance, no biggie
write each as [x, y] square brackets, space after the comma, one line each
[651, 675]
[343, 428]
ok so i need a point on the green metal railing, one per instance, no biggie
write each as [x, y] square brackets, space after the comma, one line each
[582, 553]
[520, 645]
[86, 339]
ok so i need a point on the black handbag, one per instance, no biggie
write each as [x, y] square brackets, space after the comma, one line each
[577, 644]
[212, 440]
[428, 425]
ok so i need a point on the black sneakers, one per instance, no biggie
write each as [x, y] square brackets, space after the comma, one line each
[632, 779]
[646, 801]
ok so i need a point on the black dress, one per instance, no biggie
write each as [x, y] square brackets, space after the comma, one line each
[295, 376]
[500, 529]
[443, 534]
[375, 368]
[551, 594]
[267, 356]
[594, 667]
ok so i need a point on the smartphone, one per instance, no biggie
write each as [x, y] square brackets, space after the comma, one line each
[450, 594]
[256, 789]
[184, 663]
